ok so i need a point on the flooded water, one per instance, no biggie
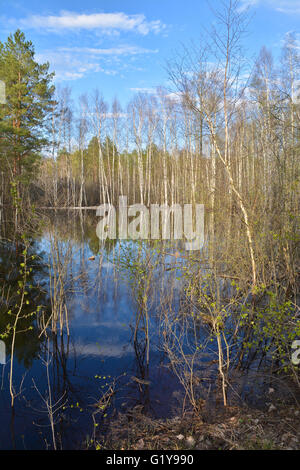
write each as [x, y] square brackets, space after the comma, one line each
[96, 344]
[109, 337]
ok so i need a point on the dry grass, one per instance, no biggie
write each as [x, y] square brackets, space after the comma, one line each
[232, 428]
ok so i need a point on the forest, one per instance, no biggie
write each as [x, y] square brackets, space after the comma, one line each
[208, 336]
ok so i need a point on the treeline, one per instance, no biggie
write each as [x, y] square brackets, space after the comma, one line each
[161, 148]
[225, 137]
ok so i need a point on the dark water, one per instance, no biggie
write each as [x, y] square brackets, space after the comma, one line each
[95, 346]
[100, 347]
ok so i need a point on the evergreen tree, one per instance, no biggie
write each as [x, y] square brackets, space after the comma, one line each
[24, 117]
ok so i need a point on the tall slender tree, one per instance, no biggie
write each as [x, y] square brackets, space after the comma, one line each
[24, 116]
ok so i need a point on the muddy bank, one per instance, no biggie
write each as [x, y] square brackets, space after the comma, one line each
[231, 428]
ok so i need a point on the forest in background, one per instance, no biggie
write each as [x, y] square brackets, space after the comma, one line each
[227, 135]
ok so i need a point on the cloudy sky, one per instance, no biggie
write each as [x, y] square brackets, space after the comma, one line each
[121, 46]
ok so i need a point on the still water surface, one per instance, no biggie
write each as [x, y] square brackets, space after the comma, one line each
[102, 312]
[95, 343]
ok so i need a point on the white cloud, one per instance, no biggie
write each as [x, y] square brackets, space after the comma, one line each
[176, 97]
[113, 51]
[104, 22]
[72, 63]
[291, 7]
[247, 4]
[151, 91]
[68, 66]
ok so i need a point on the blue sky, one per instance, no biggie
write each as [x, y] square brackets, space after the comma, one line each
[121, 46]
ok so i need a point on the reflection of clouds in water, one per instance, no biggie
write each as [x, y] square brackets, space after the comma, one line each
[92, 322]
[107, 265]
[111, 324]
[44, 244]
[92, 311]
[108, 350]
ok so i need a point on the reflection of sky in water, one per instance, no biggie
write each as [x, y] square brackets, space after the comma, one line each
[101, 312]
[101, 321]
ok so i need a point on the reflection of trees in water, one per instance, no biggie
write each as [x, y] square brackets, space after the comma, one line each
[59, 389]
[137, 263]
[155, 273]
[78, 226]
[27, 343]
[74, 232]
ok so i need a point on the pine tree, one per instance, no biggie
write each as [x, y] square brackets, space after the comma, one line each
[24, 117]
